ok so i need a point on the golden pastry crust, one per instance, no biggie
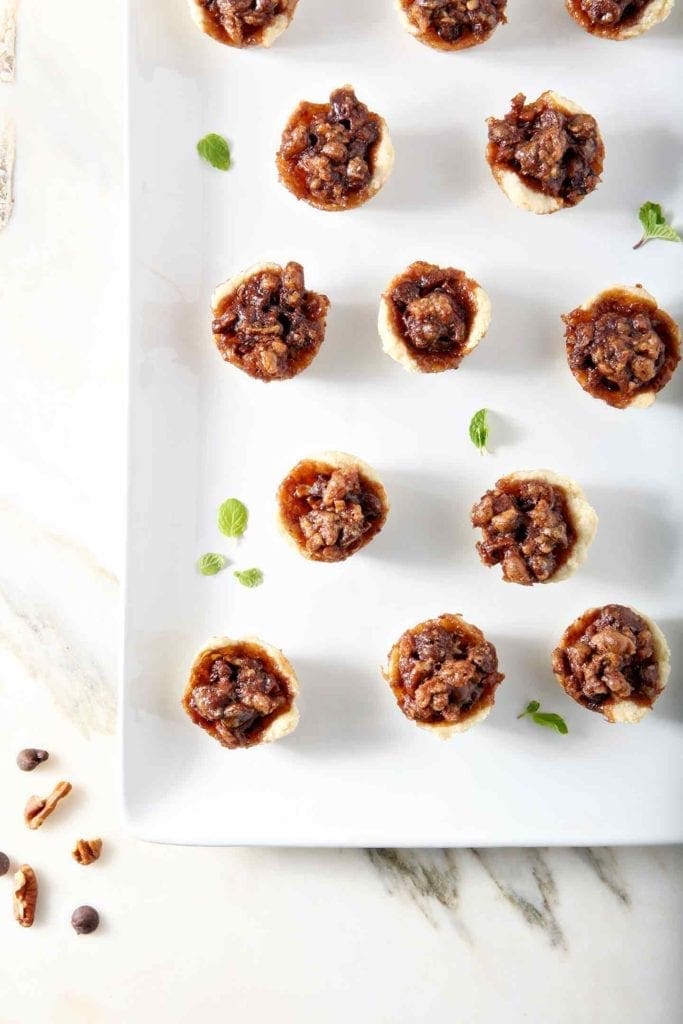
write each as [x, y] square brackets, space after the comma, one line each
[582, 516]
[643, 398]
[479, 710]
[514, 186]
[283, 721]
[436, 42]
[382, 160]
[307, 311]
[306, 470]
[624, 710]
[652, 14]
[397, 346]
[203, 19]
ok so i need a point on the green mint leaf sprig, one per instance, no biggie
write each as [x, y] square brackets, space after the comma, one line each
[651, 216]
[547, 718]
[479, 430]
[215, 150]
[249, 577]
[211, 563]
[232, 518]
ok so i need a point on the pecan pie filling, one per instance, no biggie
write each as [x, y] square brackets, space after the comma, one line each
[453, 24]
[621, 347]
[237, 693]
[609, 655]
[443, 672]
[334, 155]
[614, 19]
[331, 511]
[245, 22]
[526, 528]
[269, 324]
[551, 150]
[432, 310]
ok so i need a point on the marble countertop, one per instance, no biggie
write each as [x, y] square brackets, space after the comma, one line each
[383, 936]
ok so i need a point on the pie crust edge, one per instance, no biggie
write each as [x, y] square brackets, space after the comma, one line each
[642, 399]
[650, 16]
[283, 724]
[444, 730]
[583, 515]
[383, 164]
[626, 710]
[513, 186]
[396, 347]
[336, 460]
[203, 21]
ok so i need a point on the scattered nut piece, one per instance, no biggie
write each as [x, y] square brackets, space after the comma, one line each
[86, 851]
[30, 758]
[4, 863]
[84, 920]
[39, 808]
[25, 895]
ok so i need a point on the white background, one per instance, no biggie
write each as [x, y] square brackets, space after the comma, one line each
[304, 935]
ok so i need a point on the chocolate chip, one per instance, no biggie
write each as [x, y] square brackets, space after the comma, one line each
[84, 920]
[30, 758]
[4, 863]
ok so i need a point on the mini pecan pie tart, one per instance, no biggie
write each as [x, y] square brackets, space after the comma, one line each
[267, 323]
[431, 317]
[331, 506]
[614, 660]
[335, 155]
[444, 674]
[452, 24]
[243, 22]
[619, 19]
[622, 347]
[537, 525]
[547, 154]
[242, 692]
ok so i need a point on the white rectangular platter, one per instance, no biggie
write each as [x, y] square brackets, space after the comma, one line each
[356, 772]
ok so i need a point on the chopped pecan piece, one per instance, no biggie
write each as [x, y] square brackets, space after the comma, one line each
[39, 808]
[243, 22]
[452, 24]
[25, 896]
[331, 507]
[267, 323]
[547, 154]
[537, 526]
[444, 674]
[335, 155]
[87, 851]
[242, 693]
[431, 317]
[621, 347]
[613, 660]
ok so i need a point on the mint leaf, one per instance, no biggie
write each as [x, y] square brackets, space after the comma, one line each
[249, 577]
[211, 563]
[232, 518]
[479, 430]
[531, 707]
[546, 718]
[551, 720]
[215, 150]
[654, 223]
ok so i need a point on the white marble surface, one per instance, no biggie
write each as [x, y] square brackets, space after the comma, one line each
[472, 936]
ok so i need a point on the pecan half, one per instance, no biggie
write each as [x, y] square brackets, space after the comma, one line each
[86, 851]
[25, 895]
[39, 808]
